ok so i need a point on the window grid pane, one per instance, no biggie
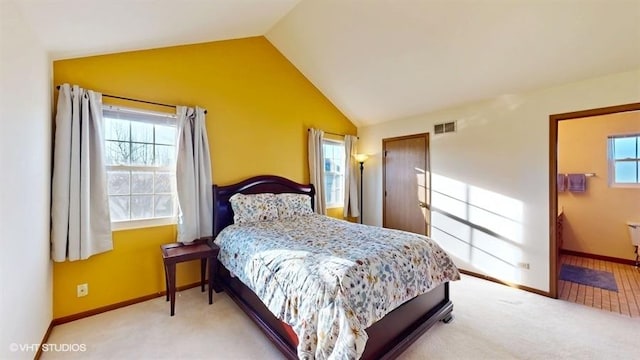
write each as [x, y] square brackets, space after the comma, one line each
[141, 206]
[162, 182]
[117, 152]
[626, 172]
[163, 205]
[116, 129]
[141, 132]
[142, 182]
[119, 206]
[625, 148]
[165, 135]
[118, 182]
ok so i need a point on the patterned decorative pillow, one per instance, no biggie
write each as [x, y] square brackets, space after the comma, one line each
[253, 208]
[291, 205]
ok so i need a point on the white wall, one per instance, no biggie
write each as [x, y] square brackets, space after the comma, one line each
[25, 153]
[494, 173]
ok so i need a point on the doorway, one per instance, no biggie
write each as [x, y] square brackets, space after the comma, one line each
[406, 184]
[554, 221]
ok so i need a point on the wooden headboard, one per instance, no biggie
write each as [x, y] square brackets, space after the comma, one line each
[222, 212]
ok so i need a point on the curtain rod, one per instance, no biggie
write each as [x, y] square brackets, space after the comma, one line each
[336, 134]
[136, 100]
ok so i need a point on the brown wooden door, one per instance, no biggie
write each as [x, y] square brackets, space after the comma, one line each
[406, 184]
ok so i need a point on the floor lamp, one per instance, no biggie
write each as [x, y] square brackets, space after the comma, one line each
[361, 158]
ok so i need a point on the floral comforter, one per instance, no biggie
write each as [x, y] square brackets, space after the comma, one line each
[330, 279]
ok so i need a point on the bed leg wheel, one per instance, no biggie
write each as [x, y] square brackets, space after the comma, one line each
[447, 319]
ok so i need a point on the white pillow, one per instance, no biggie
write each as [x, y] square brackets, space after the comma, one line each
[253, 208]
[292, 205]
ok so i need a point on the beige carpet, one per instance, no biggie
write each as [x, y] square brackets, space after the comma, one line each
[491, 321]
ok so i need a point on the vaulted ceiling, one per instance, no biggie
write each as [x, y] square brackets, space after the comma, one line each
[376, 60]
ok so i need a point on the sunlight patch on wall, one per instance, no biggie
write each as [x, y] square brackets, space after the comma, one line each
[450, 195]
[478, 226]
[497, 212]
[421, 181]
[452, 235]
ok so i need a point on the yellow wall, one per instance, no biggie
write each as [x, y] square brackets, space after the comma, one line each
[595, 221]
[259, 109]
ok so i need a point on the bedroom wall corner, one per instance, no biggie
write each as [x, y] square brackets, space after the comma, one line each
[259, 109]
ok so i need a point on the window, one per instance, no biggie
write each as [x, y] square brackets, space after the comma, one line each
[624, 160]
[334, 163]
[140, 150]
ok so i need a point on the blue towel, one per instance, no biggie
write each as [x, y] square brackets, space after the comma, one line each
[562, 183]
[576, 182]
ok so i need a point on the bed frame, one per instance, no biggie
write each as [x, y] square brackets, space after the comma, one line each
[388, 337]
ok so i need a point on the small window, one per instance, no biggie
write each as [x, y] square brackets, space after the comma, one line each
[334, 163]
[624, 160]
[140, 149]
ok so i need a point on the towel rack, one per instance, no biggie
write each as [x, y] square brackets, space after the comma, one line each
[585, 174]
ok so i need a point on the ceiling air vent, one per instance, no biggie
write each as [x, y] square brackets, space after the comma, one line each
[444, 128]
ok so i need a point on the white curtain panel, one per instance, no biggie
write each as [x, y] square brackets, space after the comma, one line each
[193, 176]
[351, 207]
[316, 168]
[81, 223]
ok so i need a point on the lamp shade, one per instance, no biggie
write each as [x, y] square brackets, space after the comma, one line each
[361, 157]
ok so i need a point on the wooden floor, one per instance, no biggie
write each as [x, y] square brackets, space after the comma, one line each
[626, 301]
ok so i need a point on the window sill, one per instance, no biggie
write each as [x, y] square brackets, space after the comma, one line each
[142, 223]
[625, 186]
[335, 207]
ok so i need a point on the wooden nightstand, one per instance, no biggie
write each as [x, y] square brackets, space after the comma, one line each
[199, 250]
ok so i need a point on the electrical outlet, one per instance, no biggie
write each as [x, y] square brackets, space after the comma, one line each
[83, 290]
[523, 265]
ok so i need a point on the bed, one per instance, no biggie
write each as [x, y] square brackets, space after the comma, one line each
[387, 337]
